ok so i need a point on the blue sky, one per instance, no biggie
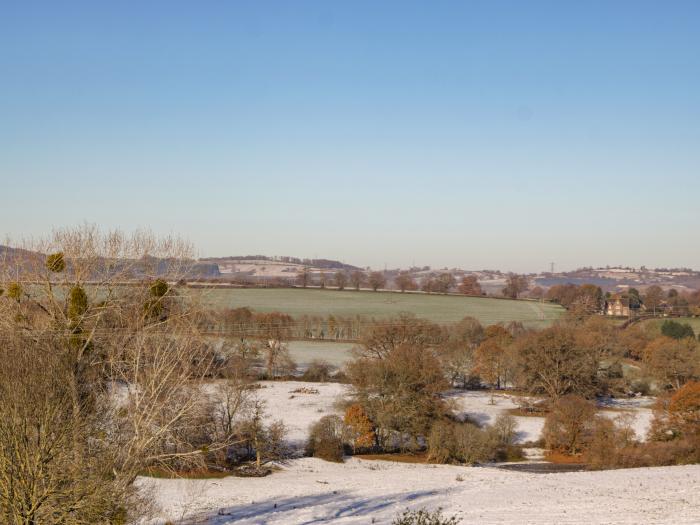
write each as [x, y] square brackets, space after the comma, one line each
[478, 134]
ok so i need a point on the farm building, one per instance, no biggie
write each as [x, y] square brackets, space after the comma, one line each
[617, 306]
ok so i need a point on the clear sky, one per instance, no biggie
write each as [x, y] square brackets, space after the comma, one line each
[478, 134]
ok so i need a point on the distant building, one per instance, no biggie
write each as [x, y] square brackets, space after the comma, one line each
[617, 306]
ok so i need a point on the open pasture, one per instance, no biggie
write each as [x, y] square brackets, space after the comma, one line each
[381, 305]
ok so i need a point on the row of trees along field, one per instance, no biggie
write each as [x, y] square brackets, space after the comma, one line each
[440, 282]
[654, 300]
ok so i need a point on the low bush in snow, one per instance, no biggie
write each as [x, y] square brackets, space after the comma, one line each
[424, 517]
[326, 439]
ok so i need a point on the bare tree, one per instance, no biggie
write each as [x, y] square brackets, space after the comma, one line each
[653, 298]
[377, 280]
[555, 363]
[515, 285]
[303, 277]
[341, 279]
[131, 364]
[404, 281]
[470, 285]
[357, 278]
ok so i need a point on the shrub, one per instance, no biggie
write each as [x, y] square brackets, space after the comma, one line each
[684, 408]
[359, 427]
[326, 439]
[677, 330]
[455, 442]
[672, 361]
[503, 433]
[55, 262]
[424, 517]
[14, 291]
[319, 371]
[568, 425]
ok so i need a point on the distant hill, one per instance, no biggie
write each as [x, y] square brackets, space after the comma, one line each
[322, 264]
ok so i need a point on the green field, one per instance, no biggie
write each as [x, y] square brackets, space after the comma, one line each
[336, 354]
[381, 305]
[692, 321]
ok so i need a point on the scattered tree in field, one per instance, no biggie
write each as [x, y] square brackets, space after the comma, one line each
[326, 439]
[515, 285]
[554, 363]
[278, 360]
[443, 283]
[653, 298]
[404, 281]
[537, 293]
[492, 360]
[341, 279]
[684, 409]
[457, 348]
[376, 280]
[672, 361]
[460, 443]
[322, 280]
[266, 442]
[357, 278]
[304, 277]
[470, 285]
[677, 330]
[384, 336]
[569, 424]
[400, 393]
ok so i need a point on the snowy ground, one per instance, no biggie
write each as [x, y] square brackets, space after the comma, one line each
[312, 491]
[479, 406]
[309, 490]
[298, 410]
[484, 408]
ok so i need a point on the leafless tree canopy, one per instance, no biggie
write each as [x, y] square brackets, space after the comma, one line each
[102, 375]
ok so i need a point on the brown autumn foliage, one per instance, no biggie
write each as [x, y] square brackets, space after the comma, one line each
[385, 336]
[492, 359]
[568, 425]
[457, 348]
[674, 437]
[376, 280]
[470, 285]
[400, 393]
[515, 285]
[360, 428]
[405, 281]
[554, 363]
[671, 361]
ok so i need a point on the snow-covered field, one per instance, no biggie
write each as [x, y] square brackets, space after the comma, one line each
[297, 410]
[309, 490]
[480, 408]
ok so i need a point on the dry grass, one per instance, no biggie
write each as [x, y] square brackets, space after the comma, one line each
[418, 457]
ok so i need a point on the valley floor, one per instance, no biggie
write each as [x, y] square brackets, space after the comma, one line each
[309, 491]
